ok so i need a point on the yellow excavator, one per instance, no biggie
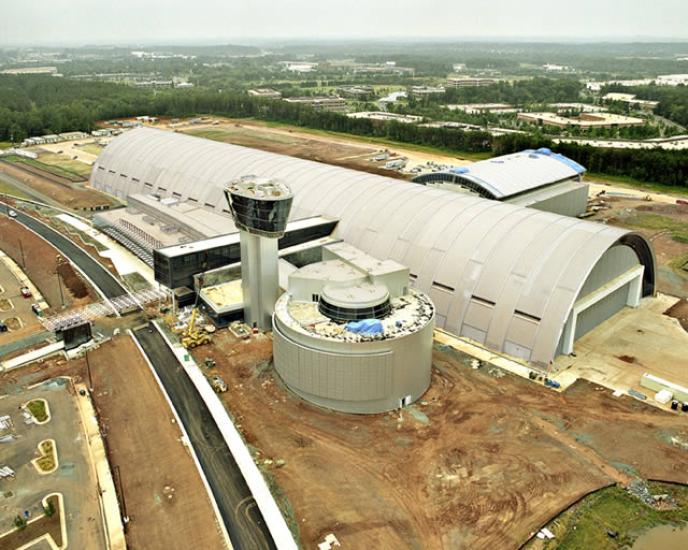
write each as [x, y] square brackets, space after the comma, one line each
[192, 336]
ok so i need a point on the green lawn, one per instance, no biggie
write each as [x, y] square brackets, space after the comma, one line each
[56, 164]
[585, 526]
[623, 181]
[10, 189]
[37, 409]
[382, 141]
[657, 222]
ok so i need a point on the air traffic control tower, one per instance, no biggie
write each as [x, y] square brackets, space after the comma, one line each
[260, 208]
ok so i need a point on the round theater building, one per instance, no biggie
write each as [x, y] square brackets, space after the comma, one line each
[350, 335]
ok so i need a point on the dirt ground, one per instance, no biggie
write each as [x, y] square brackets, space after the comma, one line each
[70, 195]
[679, 311]
[39, 261]
[481, 461]
[661, 223]
[143, 442]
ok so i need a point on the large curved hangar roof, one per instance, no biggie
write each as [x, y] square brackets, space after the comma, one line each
[509, 175]
[518, 270]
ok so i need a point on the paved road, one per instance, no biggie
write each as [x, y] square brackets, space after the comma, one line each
[95, 271]
[239, 511]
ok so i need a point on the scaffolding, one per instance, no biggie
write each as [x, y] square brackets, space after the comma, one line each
[114, 306]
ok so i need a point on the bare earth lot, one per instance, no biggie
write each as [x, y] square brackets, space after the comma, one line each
[68, 194]
[481, 461]
[41, 266]
[665, 225]
[143, 442]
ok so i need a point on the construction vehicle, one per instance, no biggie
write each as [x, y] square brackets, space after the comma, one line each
[209, 362]
[193, 337]
[218, 384]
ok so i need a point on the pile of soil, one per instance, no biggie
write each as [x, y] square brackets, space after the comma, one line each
[679, 311]
[72, 281]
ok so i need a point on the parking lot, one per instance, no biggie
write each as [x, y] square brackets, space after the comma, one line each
[74, 477]
[15, 310]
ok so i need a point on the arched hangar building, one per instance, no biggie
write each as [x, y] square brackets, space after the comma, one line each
[536, 178]
[519, 280]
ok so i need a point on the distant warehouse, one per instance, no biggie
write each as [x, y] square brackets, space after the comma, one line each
[539, 179]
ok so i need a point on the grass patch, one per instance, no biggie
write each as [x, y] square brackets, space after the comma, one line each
[46, 462]
[66, 164]
[38, 409]
[92, 148]
[135, 281]
[55, 169]
[6, 145]
[625, 181]
[657, 222]
[9, 189]
[585, 525]
[464, 155]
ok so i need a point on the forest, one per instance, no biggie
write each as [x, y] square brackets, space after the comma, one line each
[35, 105]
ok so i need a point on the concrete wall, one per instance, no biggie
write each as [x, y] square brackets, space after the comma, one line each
[368, 377]
[569, 203]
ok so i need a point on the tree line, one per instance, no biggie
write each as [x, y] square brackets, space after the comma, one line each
[31, 105]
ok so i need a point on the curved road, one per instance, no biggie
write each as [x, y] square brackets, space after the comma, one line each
[96, 272]
[241, 515]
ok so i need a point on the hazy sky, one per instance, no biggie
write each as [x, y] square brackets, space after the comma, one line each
[212, 21]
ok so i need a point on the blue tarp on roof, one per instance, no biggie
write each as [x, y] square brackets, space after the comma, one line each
[459, 170]
[570, 163]
[366, 326]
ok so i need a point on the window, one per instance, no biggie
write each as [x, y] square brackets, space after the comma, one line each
[527, 316]
[161, 189]
[192, 199]
[175, 194]
[147, 184]
[135, 179]
[483, 301]
[442, 286]
[101, 168]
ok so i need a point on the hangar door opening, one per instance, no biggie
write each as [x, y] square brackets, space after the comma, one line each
[614, 283]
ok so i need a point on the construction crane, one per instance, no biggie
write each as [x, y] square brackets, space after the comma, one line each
[191, 336]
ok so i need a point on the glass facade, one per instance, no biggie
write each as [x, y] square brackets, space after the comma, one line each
[261, 217]
[344, 314]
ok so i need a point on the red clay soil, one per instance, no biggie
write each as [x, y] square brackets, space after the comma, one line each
[143, 440]
[165, 497]
[480, 462]
[679, 311]
[39, 261]
[71, 196]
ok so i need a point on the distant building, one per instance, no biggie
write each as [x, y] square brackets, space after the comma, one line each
[359, 91]
[552, 68]
[385, 116]
[183, 85]
[469, 81]
[30, 70]
[267, 93]
[299, 66]
[479, 108]
[672, 79]
[538, 179]
[631, 100]
[390, 67]
[458, 67]
[325, 103]
[427, 90]
[584, 120]
[582, 107]
[154, 84]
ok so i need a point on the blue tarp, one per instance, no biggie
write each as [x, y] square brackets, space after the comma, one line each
[544, 151]
[570, 163]
[459, 170]
[366, 326]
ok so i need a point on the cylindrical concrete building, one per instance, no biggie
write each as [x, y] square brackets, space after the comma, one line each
[351, 336]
